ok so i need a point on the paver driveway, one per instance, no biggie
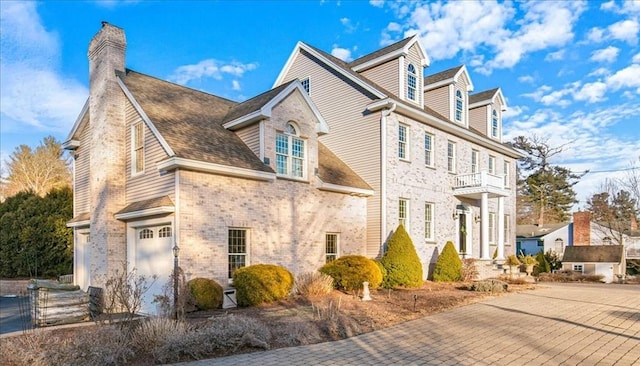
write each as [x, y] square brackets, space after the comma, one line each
[558, 324]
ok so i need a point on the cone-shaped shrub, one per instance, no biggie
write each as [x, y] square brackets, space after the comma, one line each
[205, 293]
[401, 261]
[448, 266]
[261, 283]
[350, 271]
[543, 265]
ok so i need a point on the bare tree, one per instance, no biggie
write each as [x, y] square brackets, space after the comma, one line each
[614, 210]
[631, 181]
[39, 170]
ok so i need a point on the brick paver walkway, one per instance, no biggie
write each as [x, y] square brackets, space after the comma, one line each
[559, 324]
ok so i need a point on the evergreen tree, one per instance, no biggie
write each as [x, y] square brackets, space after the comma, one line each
[448, 266]
[543, 266]
[401, 261]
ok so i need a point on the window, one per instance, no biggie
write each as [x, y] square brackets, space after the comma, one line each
[451, 157]
[507, 228]
[578, 268]
[428, 221]
[331, 247]
[403, 211]
[306, 85]
[146, 234]
[428, 149]
[606, 240]
[474, 161]
[290, 153]
[403, 136]
[165, 232]
[459, 106]
[411, 82]
[494, 124]
[492, 227]
[238, 243]
[492, 164]
[137, 148]
[559, 245]
[506, 167]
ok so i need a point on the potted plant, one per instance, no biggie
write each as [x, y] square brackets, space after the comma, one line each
[529, 261]
[513, 263]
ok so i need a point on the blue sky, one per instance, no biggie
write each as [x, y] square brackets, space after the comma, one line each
[570, 70]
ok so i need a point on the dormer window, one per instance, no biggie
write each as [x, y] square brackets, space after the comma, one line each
[411, 82]
[290, 153]
[459, 106]
[494, 124]
[306, 85]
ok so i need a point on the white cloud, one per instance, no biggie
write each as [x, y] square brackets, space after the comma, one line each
[636, 59]
[608, 5]
[555, 56]
[628, 77]
[526, 79]
[394, 27]
[596, 35]
[210, 68]
[235, 85]
[33, 91]
[591, 92]
[513, 111]
[377, 3]
[625, 30]
[341, 53]
[608, 54]
[349, 27]
[601, 71]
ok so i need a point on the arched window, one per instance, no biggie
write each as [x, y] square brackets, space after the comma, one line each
[411, 82]
[494, 124]
[290, 152]
[559, 245]
[146, 234]
[165, 232]
[459, 105]
[606, 240]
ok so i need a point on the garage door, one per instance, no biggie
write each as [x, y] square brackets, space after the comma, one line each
[605, 269]
[153, 256]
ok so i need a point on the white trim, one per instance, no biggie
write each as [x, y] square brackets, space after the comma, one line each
[452, 80]
[401, 77]
[76, 124]
[132, 226]
[452, 103]
[71, 144]
[452, 128]
[262, 141]
[78, 224]
[145, 213]
[145, 118]
[404, 51]
[265, 112]
[306, 48]
[496, 97]
[176, 162]
[360, 192]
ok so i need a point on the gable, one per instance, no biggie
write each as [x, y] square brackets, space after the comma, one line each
[594, 254]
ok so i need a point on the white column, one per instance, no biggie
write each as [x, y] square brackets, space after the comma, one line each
[484, 232]
[500, 228]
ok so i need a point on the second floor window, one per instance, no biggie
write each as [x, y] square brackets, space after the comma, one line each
[492, 164]
[474, 160]
[290, 153]
[494, 124]
[137, 148]
[459, 106]
[428, 149]
[403, 150]
[411, 82]
[451, 157]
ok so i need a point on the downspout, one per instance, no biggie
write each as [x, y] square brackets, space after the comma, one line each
[383, 172]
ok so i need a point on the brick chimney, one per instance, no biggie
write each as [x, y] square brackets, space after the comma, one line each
[581, 228]
[107, 152]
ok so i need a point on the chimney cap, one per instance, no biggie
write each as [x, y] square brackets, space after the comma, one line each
[104, 23]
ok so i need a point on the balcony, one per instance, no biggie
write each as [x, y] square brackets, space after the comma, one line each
[475, 184]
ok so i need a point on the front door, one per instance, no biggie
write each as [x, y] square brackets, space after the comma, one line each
[462, 234]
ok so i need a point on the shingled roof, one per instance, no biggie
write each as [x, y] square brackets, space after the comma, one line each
[484, 95]
[191, 122]
[593, 253]
[254, 104]
[381, 52]
[334, 171]
[443, 75]
[535, 231]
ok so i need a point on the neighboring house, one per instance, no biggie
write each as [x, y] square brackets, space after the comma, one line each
[431, 151]
[158, 165]
[605, 260]
[587, 232]
[329, 162]
[531, 239]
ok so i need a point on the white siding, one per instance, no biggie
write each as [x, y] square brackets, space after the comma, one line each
[251, 137]
[82, 175]
[438, 100]
[386, 75]
[478, 119]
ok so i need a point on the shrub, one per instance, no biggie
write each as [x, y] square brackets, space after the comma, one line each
[262, 283]
[350, 271]
[154, 332]
[401, 261]
[313, 284]
[490, 285]
[448, 266]
[205, 293]
[543, 266]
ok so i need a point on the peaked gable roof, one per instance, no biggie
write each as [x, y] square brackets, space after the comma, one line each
[387, 53]
[487, 97]
[594, 253]
[191, 122]
[447, 77]
[535, 231]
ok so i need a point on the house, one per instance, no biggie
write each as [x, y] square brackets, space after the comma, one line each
[605, 260]
[155, 167]
[531, 239]
[431, 149]
[328, 162]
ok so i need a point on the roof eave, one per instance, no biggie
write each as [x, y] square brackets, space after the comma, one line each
[162, 210]
[206, 167]
[76, 125]
[353, 191]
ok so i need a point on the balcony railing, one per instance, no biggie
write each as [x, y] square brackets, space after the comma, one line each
[478, 180]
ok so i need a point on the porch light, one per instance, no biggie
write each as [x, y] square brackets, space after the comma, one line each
[455, 215]
[176, 251]
[477, 219]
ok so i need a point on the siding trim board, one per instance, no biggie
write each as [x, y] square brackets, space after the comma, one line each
[67, 145]
[175, 163]
[145, 118]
